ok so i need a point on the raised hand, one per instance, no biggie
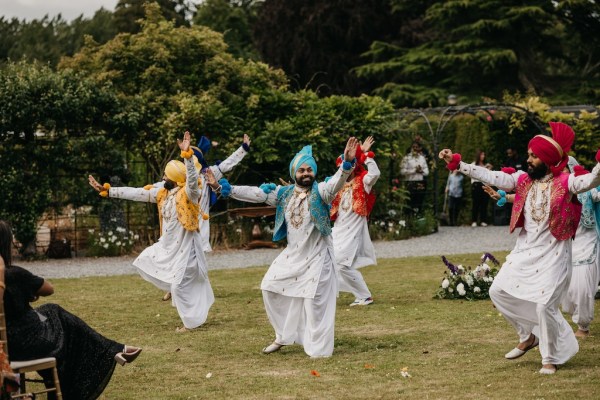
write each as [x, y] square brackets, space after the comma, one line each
[366, 145]
[210, 179]
[446, 155]
[184, 144]
[491, 192]
[95, 184]
[350, 150]
[246, 139]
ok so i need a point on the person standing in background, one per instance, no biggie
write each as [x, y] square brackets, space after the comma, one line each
[454, 191]
[479, 196]
[414, 169]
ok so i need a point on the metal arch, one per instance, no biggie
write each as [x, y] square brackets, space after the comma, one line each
[447, 114]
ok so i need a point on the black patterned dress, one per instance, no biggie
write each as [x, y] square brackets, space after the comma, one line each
[85, 359]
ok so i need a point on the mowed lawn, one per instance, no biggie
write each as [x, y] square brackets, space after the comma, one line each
[450, 349]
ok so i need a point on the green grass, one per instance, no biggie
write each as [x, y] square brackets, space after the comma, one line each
[452, 349]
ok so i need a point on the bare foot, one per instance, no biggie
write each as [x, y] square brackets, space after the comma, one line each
[548, 369]
[581, 333]
[181, 330]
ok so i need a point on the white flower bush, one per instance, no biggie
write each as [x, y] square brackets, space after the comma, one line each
[111, 243]
[466, 283]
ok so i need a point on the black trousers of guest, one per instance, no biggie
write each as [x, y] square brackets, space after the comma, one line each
[454, 205]
[417, 190]
[480, 203]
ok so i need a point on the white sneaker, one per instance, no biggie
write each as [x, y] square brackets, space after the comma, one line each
[362, 302]
[483, 224]
[474, 224]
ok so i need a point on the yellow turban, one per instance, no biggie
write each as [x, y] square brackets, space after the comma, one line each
[175, 171]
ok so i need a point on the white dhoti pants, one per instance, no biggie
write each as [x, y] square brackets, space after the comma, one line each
[351, 280]
[557, 340]
[192, 297]
[579, 299]
[309, 322]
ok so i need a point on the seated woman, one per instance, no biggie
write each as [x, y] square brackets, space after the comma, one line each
[85, 359]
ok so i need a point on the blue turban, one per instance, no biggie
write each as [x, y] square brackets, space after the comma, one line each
[201, 151]
[204, 144]
[303, 157]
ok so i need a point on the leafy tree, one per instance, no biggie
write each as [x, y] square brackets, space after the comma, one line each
[39, 111]
[173, 79]
[48, 39]
[234, 19]
[128, 13]
[317, 43]
[478, 48]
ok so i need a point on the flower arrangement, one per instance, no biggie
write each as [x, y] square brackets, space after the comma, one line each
[111, 243]
[468, 284]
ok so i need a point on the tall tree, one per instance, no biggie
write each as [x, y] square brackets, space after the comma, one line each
[174, 79]
[477, 48]
[128, 13]
[234, 19]
[318, 42]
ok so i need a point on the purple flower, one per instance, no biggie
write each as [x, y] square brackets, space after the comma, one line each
[450, 266]
[488, 256]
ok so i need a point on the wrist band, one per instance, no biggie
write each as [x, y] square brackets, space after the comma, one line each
[104, 193]
[502, 200]
[187, 154]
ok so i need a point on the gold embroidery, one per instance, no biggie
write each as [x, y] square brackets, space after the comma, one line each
[539, 213]
[297, 211]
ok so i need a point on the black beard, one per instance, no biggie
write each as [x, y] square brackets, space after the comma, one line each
[169, 185]
[537, 172]
[305, 181]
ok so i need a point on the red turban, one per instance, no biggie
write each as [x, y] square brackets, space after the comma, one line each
[553, 150]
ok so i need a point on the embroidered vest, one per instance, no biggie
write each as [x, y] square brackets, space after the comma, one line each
[319, 211]
[188, 212]
[565, 210]
[362, 202]
[590, 212]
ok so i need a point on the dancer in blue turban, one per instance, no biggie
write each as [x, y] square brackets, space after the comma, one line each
[300, 287]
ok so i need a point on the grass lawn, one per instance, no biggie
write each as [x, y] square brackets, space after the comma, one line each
[451, 349]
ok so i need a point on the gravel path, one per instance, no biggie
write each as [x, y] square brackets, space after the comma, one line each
[449, 240]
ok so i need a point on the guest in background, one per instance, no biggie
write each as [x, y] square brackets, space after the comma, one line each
[454, 191]
[414, 169]
[479, 196]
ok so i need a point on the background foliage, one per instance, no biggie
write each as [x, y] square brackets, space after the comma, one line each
[109, 102]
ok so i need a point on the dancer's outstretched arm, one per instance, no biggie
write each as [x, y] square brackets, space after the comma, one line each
[234, 159]
[329, 189]
[124, 192]
[502, 180]
[250, 194]
[373, 172]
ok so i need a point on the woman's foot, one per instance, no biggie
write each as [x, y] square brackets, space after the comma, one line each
[128, 355]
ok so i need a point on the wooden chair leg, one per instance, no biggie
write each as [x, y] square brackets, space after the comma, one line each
[56, 384]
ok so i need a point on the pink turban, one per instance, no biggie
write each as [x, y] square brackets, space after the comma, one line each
[553, 150]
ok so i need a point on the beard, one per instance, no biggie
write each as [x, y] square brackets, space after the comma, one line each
[169, 184]
[537, 172]
[305, 181]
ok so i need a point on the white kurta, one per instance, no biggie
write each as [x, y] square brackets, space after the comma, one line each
[299, 288]
[351, 240]
[218, 170]
[532, 281]
[176, 262]
[579, 299]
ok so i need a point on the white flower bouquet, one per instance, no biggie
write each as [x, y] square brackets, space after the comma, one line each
[468, 284]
